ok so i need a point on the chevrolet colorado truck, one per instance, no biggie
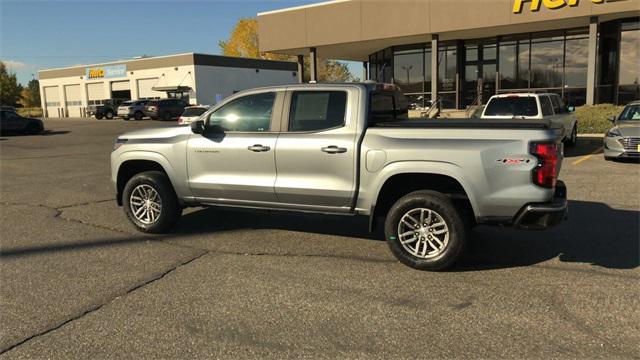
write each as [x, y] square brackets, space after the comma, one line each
[347, 149]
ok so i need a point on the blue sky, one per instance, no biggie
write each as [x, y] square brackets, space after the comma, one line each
[38, 35]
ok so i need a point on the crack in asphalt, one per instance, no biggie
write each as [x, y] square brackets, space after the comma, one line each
[100, 306]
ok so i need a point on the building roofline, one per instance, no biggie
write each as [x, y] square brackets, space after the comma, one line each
[117, 61]
[301, 7]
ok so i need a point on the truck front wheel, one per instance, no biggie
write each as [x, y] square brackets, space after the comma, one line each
[425, 231]
[150, 202]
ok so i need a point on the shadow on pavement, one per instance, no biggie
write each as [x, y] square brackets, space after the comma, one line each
[55, 132]
[585, 146]
[594, 234]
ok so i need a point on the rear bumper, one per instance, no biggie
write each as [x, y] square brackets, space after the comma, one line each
[535, 216]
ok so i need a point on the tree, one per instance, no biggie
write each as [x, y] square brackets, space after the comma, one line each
[9, 87]
[31, 94]
[244, 41]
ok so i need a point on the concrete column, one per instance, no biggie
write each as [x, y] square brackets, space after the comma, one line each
[63, 100]
[300, 68]
[591, 60]
[434, 67]
[313, 64]
[365, 70]
[84, 98]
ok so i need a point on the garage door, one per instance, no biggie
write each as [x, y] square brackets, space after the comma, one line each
[74, 100]
[144, 89]
[52, 98]
[95, 91]
[120, 86]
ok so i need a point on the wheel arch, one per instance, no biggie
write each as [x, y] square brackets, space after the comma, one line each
[134, 163]
[406, 178]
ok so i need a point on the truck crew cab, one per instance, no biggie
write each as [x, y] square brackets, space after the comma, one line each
[347, 149]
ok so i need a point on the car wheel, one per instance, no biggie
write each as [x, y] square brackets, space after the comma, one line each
[150, 202]
[573, 138]
[138, 115]
[126, 117]
[166, 116]
[99, 117]
[32, 129]
[109, 114]
[425, 231]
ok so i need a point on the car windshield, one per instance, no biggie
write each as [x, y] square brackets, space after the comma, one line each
[512, 106]
[631, 112]
[193, 111]
[127, 103]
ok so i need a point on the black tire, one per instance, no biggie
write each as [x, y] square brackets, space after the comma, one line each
[573, 138]
[99, 116]
[166, 116]
[108, 114]
[443, 206]
[32, 129]
[171, 210]
[138, 115]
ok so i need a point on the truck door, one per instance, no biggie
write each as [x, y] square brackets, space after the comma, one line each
[235, 164]
[316, 151]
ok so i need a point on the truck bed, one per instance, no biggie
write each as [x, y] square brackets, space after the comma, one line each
[474, 123]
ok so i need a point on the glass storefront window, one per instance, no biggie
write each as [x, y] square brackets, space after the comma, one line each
[408, 70]
[447, 65]
[547, 56]
[629, 73]
[575, 67]
[514, 63]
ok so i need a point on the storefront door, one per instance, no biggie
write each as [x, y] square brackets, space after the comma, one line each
[479, 71]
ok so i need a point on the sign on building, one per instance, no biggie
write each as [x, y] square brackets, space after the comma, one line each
[518, 5]
[106, 72]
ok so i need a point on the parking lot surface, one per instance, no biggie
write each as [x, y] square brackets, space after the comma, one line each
[77, 281]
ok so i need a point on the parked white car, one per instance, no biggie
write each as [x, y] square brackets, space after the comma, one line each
[530, 106]
[192, 113]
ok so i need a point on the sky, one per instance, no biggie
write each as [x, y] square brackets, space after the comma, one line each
[37, 35]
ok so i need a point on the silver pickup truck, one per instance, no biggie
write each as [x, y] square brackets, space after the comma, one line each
[347, 149]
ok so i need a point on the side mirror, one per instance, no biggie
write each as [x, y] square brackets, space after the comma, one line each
[612, 118]
[197, 127]
[571, 109]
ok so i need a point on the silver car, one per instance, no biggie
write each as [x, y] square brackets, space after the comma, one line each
[132, 109]
[192, 113]
[623, 139]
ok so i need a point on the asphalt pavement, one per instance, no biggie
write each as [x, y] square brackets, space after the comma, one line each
[77, 281]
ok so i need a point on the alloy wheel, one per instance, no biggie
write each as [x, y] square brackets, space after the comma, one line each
[423, 233]
[146, 204]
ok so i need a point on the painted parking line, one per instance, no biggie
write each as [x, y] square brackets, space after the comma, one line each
[587, 157]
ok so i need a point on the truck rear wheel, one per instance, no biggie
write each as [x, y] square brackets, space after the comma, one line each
[138, 115]
[109, 114]
[150, 202]
[425, 231]
[99, 116]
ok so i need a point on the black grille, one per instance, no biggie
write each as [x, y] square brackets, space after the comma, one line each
[630, 143]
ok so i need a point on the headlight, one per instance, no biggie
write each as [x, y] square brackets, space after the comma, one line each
[118, 143]
[615, 132]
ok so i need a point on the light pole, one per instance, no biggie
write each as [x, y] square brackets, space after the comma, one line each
[407, 69]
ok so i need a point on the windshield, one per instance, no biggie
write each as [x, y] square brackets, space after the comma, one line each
[194, 111]
[631, 112]
[512, 106]
[126, 103]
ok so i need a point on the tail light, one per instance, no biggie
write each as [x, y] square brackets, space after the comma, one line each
[545, 174]
[180, 120]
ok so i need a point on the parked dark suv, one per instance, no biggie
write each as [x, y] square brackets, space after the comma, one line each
[104, 108]
[165, 109]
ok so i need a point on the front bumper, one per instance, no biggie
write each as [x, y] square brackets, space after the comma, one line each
[535, 216]
[614, 148]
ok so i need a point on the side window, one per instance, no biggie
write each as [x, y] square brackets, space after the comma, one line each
[558, 106]
[317, 110]
[545, 105]
[248, 113]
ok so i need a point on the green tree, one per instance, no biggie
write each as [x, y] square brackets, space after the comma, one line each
[31, 94]
[244, 41]
[9, 87]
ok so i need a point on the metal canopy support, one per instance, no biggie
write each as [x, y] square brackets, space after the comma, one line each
[365, 70]
[313, 64]
[434, 67]
[591, 60]
[300, 68]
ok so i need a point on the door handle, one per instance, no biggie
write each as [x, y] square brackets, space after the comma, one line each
[334, 149]
[258, 148]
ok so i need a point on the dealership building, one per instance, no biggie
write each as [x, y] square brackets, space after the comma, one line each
[460, 52]
[196, 78]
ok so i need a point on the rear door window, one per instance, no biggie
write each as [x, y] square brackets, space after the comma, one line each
[558, 104]
[545, 106]
[512, 106]
[317, 110]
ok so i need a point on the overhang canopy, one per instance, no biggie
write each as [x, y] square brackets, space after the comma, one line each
[353, 29]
